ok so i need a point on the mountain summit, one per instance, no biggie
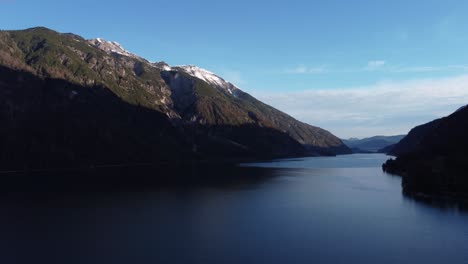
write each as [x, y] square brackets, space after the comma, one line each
[71, 101]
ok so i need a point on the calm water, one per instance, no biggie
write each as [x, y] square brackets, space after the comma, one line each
[310, 210]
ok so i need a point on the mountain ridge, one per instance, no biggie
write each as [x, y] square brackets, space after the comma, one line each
[209, 116]
[372, 144]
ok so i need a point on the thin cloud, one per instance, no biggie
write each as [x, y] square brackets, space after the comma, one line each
[302, 69]
[384, 108]
[417, 69]
[378, 65]
[375, 64]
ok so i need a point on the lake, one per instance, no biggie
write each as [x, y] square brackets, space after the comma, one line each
[307, 210]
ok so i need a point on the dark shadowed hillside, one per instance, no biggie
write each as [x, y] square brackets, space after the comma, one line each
[67, 101]
[433, 158]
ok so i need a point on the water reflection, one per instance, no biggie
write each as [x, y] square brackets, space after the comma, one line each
[351, 212]
[445, 204]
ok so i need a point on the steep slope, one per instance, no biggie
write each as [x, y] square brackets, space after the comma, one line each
[433, 157]
[48, 54]
[372, 144]
[228, 105]
[57, 85]
[414, 139]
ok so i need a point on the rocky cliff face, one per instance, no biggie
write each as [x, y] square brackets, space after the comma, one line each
[64, 94]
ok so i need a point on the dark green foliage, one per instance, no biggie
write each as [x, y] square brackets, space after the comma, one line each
[50, 52]
[70, 57]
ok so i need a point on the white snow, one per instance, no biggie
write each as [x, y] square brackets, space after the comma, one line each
[205, 75]
[166, 68]
[111, 47]
[161, 66]
[208, 77]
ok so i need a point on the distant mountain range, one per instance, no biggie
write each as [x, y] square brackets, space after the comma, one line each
[372, 144]
[66, 101]
[433, 158]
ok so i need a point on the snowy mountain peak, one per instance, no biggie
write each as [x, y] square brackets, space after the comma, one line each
[208, 77]
[201, 74]
[110, 47]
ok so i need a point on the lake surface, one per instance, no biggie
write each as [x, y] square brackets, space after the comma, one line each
[309, 210]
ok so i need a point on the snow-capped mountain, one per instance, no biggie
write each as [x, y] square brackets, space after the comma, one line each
[111, 47]
[141, 111]
[192, 70]
[208, 77]
[187, 99]
[200, 73]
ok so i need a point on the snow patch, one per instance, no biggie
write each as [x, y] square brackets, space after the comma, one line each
[111, 47]
[166, 68]
[208, 77]
[202, 74]
[161, 66]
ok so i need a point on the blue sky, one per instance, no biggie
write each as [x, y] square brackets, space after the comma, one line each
[291, 53]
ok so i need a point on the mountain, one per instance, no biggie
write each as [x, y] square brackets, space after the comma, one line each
[371, 144]
[388, 149]
[433, 158]
[414, 138]
[67, 101]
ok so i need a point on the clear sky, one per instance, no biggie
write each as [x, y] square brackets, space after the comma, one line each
[356, 68]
